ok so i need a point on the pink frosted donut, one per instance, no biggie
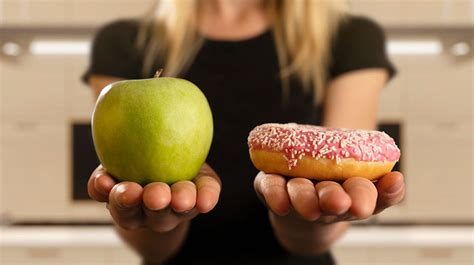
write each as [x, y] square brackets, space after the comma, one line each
[321, 153]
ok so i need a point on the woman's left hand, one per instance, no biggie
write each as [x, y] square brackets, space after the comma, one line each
[328, 201]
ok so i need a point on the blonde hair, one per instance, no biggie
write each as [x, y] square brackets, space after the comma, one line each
[303, 31]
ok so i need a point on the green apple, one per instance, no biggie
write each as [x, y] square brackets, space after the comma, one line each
[148, 130]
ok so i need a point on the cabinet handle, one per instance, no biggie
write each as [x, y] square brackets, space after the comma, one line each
[436, 253]
[43, 253]
[26, 126]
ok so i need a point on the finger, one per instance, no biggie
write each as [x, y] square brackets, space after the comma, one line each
[103, 183]
[208, 191]
[156, 196]
[391, 190]
[100, 184]
[183, 196]
[272, 189]
[303, 197]
[333, 200]
[363, 195]
[125, 205]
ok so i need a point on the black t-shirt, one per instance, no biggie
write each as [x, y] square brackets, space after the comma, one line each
[241, 82]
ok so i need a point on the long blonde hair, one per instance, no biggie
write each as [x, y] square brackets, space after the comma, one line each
[303, 31]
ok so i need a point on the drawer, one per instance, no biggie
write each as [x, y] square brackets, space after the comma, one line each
[15, 255]
[35, 165]
[122, 256]
[53, 256]
[437, 162]
[33, 89]
[351, 255]
[421, 256]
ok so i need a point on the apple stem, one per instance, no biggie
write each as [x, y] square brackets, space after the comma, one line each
[158, 72]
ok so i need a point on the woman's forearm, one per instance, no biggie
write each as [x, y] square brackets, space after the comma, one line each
[305, 238]
[154, 247]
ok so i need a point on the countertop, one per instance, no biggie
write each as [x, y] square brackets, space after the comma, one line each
[401, 236]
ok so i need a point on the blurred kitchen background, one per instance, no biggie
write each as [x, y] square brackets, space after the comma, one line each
[46, 152]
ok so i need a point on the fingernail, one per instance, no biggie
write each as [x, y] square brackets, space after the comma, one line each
[394, 188]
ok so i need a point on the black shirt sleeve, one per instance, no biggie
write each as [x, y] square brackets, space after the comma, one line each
[114, 51]
[359, 44]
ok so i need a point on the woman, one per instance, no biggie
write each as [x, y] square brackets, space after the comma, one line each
[256, 61]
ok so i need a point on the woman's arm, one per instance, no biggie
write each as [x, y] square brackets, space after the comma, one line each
[318, 213]
[352, 100]
[98, 82]
[153, 220]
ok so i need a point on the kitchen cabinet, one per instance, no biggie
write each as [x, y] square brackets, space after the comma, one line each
[434, 87]
[80, 98]
[360, 245]
[431, 99]
[392, 13]
[42, 97]
[403, 255]
[54, 255]
[34, 170]
[36, 183]
[60, 13]
[33, 89]
[417, 13]
[437, 162]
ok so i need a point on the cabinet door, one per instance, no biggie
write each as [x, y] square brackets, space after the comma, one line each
[122, 256]
[68, 12]
[351, 255]
[437, 162]
[53, 256]
[79, 97]
[34, 171]
[79, 11]
[33, 89]
[421, 256]
[435, 88]
[417, 12]
[32, 12]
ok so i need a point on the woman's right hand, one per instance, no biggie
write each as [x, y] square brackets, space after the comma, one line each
[157, 206]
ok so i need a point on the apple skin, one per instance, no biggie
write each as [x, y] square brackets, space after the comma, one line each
[152, 130]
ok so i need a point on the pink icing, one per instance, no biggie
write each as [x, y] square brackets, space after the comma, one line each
[297, 141]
